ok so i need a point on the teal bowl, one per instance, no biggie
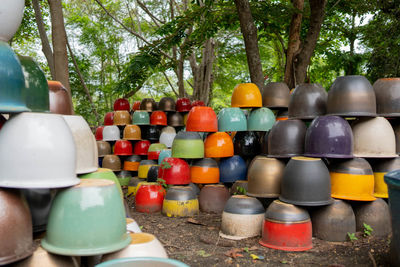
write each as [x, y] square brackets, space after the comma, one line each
[87, 219]
[142, 262]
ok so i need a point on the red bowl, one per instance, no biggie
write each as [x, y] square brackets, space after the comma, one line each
[153, 155]
[149, 198]
[109, 118]
[98, 135]
[141, 148]
[121, 104]
[198, 103]
[202, 119]
[136, 105]
[174, 171]
[123, 148]
[158, 118]
[183, 104]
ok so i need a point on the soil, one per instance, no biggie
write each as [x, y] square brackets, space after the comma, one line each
[196, 242]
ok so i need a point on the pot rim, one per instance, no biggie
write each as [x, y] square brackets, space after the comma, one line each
[307, 203]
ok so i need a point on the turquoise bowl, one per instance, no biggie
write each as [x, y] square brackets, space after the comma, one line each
[232, 120]
[142, 262]
[87, 219]
[260, 119]
[141, 117]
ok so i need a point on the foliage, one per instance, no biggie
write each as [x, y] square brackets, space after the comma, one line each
[352, 236]
[367, 229]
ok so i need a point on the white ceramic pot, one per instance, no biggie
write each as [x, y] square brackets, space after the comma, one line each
[85, 144]
[167, 139]
[37, 151]
[11, 13]
[111, 133]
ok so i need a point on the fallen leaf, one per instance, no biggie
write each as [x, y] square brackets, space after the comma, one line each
[234, 253]
[193, 221]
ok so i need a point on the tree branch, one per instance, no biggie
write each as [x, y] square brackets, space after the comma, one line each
[170, 84]
[145, 9]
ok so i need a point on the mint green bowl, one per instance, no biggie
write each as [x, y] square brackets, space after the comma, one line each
[87, 219]
[103, 173]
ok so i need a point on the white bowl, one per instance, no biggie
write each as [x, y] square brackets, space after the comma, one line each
[11, 12]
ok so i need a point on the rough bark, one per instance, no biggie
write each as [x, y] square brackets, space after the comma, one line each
[293, 43]
[46, 48]
[304, 57]
[59, 40]
[249, 32]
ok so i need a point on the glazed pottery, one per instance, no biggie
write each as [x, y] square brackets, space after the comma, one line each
[352, 179]
[246, 95]
[132, 132]
[218, 145]
[103, 148]
[112, 162]
[232, 169]
[141, 147]
[260, 119]
[109, 119]
[11, 12]
[124, 177]
[282, 115]
[374, 138]
[165, 153]
[59, 99]
[152, 174]
[202, 119]
[329, 137]
[231, 120]
[246, 144]
[143, 262]
[142, 245]
[334, 222]
[183, 104]
[99, 133]
[307, 101]
[392, 179]
[39, 202]
[149, 198]
[380, 168]
[148, 104]
[387, 92]
[375, 214]
[141, 117]
[239, 187]
[306, 182]
[351, 95]
[155, 150]
[106, 174]
[167, 104]
[242, 218]
[175, 119]
[204, 171]
[275, 95]
[286, 139]
[188, 145]
[36, 87]
[132, 163]
[80, 213]
[286, 227]
[122, 117]
[133, 185]
[85, 144]
[41, 257]
[123, 148]
[122, 104]
[180, 201]
[198, 103]
[43, 145]
[111, 133]
[174, 171]
[167, 138]
[15, 227]
[264, 177]
[136, 105]
[151, 133]
[212, 198]
[158, 118]
[144, 167]
[12, 81]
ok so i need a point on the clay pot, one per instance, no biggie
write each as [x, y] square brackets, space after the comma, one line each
[232, 169]
[60, 100]
[108, 118]
[132, 163]
[202, 119]
[307, 101]
[231, 120]
[376, 214]
[103, 148]
[158, 118]
[123, 148]
[246, 144]
[333, 222]
[174, 171]
[180, 201]
[151, 133]
[141, 148]
[144, 167]
[306, 182]
[155, 150]
[132, 132]
[242, 218]
[260, 119]
[387, 92]
[380, 168]
[213, 198]
[286, 139]
[15, 227]
[351, 96]
[136, 105]
[183, 104]
[152, 174]
[167, 104]
[246, 95]
[218, 145]
[175, 119]
[142, 262]
[149, 198]
[188, 145]
[264, 177]
[286, 227]
[396, 129]
[124, 177]
[276, 95]
[112, 162]
[133, 185]
[43, 258]
[148, 104]
[204, 171]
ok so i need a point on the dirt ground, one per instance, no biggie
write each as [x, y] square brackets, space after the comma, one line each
[195, 241]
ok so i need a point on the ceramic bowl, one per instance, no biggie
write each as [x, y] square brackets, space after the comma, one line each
[60, 100]
[152, 174]
[43, 258]
[121, 104]
[15, 227]
[188, 145]
[242, 218]
[387, 92]
[132, 163]
[380, 168]
[175, 119]
[204, 171]
[143, 262]
[180, 201]
[174, 171]
[141, 148]
[155, 150]
[103, 173]
[246, 95]
[246, 144]
[307, 101]
[151, 133]
[103, 148]
[122, 117]
[218, 145]
[123, 148]
[165, 153]
[133, 185]
[144, 167]
[167, 104]
[80, 213]
[202, 119]
[149, 198]
[212, 198]
[124, 177]
[232, 169]
[276, 95]
[231, 120]
[376, 214]
[260, 119]
[12, 12]
[141, 117]
[132, 132]
[111, 162]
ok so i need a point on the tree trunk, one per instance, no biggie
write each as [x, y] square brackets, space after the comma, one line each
[59, 40]
[293, 43]
[304, 57]
[249, 32]
[48, 53]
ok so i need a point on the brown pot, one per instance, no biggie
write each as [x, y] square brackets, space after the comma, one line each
[43, 258]
[60, 100]
[15, 227]
[276, 95]
[112, 162]
[212, 198]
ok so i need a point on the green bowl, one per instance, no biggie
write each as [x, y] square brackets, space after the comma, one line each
[103, 173]
[188, 145]
[87, 219]
[143, 262]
